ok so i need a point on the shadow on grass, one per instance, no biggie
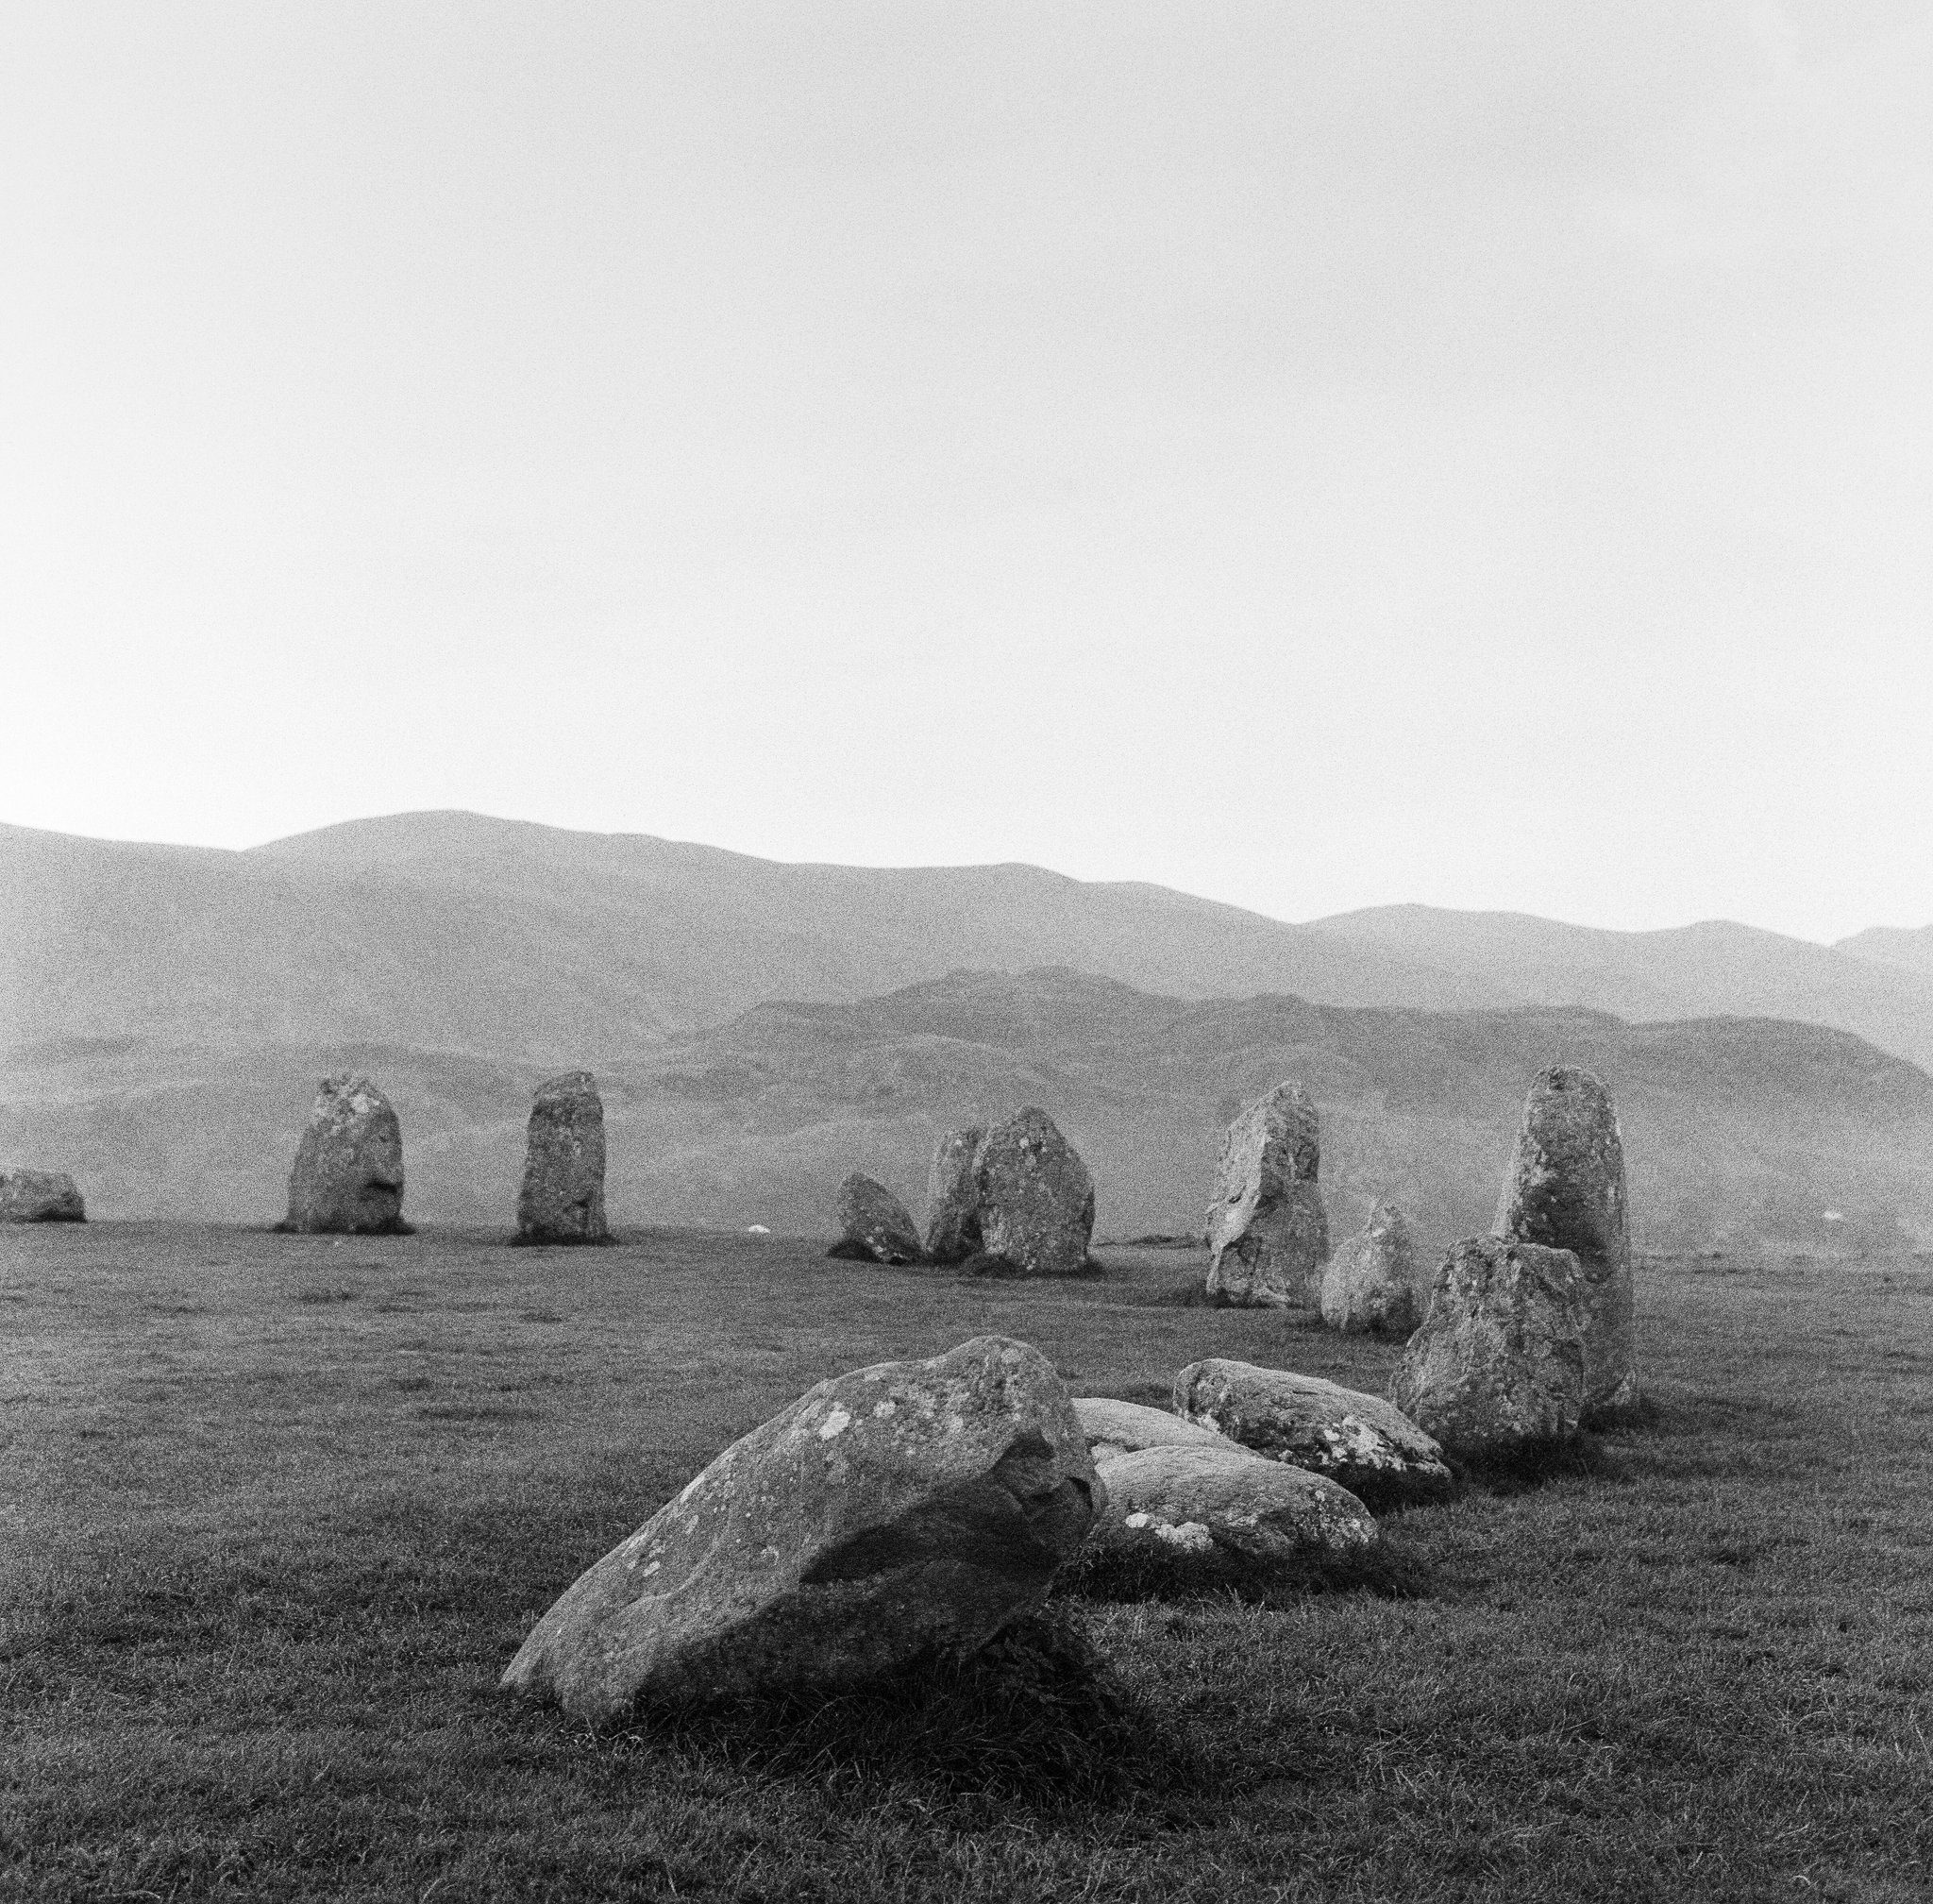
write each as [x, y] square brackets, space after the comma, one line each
[1388, 1569]
[1537, 1464]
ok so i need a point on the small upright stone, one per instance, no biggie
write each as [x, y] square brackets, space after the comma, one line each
[348, 1173]
[1034, 1195]
[562, 1197]
[952, 1199]
[39, 1197]
[873, 1224]
[1268, 1231]
[1565, 1190]
[1370, 1284]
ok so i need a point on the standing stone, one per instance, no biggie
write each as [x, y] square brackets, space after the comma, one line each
[952, 1199]
[348, 1173]
[1370, 1284]
[898, 1508]
[562, 1197]
[1498, 1363]
[1565, 1190]
[1268, 1231]
[873, 1224]
[1034, 1195]
[39, 1197]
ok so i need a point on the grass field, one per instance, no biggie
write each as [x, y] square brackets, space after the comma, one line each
[275, 1512]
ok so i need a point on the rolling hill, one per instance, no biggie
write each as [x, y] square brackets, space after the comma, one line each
[1908, 947]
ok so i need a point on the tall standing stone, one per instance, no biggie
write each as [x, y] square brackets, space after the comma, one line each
[1370, 1284]
[952, 1198]
[1034, 1195]
[39, 1197]
[1565, 1190]
[562, 1197]
[1268, 1231]
[873, 1224]
[348, 1173]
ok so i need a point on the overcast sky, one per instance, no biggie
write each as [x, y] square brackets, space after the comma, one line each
[1313, 455]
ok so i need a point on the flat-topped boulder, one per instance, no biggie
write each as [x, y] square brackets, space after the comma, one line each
[1565, 1190]
[873, 1224]
[348, 1172]
[1126, 1427]
[1268, 1231]
[1498, 1364]
[895, 1511]
[1370, 1285]
[39, 1197]
[1361, 1441]
[1034, 1197]
[563, 1196]
[952, 1198]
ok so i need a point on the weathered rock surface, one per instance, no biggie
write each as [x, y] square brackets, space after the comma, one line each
[1565, 1190]
[1499, 1361]
[1370, 1285]
[952, 1198]
[1126, 1427]
[1198, 1503]
[348, 1173]
[1268, 1231]
[39, 1197]
[908, 1506]
[563, 1196]
[1360, 1440]
[1035, 1196]
[873, 1224]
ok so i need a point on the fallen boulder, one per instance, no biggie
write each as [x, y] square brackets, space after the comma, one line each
[563, 1196]
[1498, 1364]
[1370, 1284]
[1126, 1427]
[873, 1224]
[952, 1199]
[1565, 1190]
[348, 1172]
[1360, 1440]
[888, 1512]
[1035, 1196]
[39, 1197]
[1268, 1231]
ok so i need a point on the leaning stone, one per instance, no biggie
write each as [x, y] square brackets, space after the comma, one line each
[1268, 1231]
[39, 1197]
[873, 1224]
[348, 1173]
[1358, 1440]
[1498, 1364]
[1034, 1195]
[1370, 1284]
[952, 1201]
[1125, 1428]
[1565, 1190]
[563, 1196]
[898, 1508]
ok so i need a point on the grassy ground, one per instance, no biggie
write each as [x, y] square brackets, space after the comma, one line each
[275, 1510]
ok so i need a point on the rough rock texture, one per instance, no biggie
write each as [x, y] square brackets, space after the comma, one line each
[909, 1505]
[348, 1172]
[952, 1199]
[873, 1224]
[1191, 1502]
[1035, 1198]
[39, 1197]
[1358, 1440]
[1370, 1284]
[562, 1197]
[1565, 1190]
[1268, 1231]
[1499, 1361]
[1126, 1427]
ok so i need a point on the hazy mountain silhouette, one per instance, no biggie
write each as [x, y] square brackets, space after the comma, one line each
[1910, 948]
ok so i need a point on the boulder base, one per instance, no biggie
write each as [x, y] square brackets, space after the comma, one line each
[39, 1197]
[348, 1173]
[1034, 1197]
[1268, 1231]
[1370, 1284]
[563, 1195]
[1126, 1427]
[873, 1224]
[952, 1198]
[897, 1509]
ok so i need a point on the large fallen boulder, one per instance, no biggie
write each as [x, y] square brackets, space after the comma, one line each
[907, 1506]
[1565, 1190]
[873, 1224]
[1361, 1442]
[1034, 1197]
[563, 1196]
[1370, 1286]
[1126, 1427]
[1498, 1363]
[952, 1198]
[1268, 1231]
[39, 1197]
[348, 1172]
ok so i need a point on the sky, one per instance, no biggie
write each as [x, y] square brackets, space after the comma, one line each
[1313, 456]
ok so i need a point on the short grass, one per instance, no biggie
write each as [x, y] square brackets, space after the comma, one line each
[275, 1510]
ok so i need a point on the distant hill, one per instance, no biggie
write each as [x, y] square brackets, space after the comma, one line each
[1908, 947]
